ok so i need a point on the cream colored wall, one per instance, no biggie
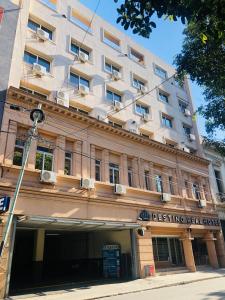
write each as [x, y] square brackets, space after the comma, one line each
[58, 52]
[98, 239]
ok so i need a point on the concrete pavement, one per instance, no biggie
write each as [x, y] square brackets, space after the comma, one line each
[93, 291]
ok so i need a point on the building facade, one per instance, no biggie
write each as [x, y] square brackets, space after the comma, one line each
[116, 169]
[217, 181]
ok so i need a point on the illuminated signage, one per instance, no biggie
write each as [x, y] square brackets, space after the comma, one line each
[4, 203]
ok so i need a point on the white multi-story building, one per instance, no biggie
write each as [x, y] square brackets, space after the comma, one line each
[64, 54]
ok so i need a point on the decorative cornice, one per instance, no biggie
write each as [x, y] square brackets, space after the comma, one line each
[19, 95]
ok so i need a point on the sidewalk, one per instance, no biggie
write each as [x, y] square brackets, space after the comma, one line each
[85, 292]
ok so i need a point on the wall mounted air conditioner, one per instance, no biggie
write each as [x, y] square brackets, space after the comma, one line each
[192, 137]
[117, 105]
[120, 189]
[48, 177]
[187, 112]
[43, 35]
[165, 197]
[39, 70]
[184, 148]
[83, 57]
[87, 183]
[202, 203]
[116, 75]
[63, 98]
[84, 90]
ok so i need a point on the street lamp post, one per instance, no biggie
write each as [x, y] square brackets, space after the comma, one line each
[37, 116]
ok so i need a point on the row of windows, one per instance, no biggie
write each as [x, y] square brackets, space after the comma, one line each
[45, 158]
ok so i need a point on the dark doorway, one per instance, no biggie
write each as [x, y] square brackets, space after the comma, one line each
[200, 252]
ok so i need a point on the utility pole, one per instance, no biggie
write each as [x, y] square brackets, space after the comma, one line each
[37, 116]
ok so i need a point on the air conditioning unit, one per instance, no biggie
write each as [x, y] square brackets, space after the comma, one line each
[84, 90]
[83, 57]
[143, 89]
[146, 117]
[187, 112]
[116, 75]
[43, 35]
[63, 98]
[87, 183]
[48, 176]
[165, 197]
[202, 203]
[120, 189]
[117, 105]
[184, 148]
[191, 137]
[39, 70]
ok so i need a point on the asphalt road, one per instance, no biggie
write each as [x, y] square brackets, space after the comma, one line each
[213, 289]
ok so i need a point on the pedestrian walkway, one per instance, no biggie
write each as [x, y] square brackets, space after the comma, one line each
[96, 291]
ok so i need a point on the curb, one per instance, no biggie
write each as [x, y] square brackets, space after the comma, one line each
[155, 288]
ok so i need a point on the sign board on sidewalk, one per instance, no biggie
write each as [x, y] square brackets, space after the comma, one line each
[4, 203]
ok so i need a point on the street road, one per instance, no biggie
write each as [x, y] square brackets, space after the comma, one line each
[213, 289]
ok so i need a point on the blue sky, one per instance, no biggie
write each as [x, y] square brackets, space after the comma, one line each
[165, 42]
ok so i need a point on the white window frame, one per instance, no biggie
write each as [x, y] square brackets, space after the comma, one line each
[70, 159]
[169, 118]
[109, 43]
[160, 68]
[43, 161]
[165, 94]
[112, 65]
[114, 168]
[135, 58]
[140, 82]
[142, 106]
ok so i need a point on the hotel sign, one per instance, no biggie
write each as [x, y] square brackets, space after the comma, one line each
[178, 219]
[4, 203]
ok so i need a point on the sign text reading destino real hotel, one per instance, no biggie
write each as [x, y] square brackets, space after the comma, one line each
[179, 219]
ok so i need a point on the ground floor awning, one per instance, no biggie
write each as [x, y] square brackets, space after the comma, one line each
[52, 223]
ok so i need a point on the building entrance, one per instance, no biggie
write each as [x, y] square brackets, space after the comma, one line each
[68, 256]
[200, 252]
[168, 252]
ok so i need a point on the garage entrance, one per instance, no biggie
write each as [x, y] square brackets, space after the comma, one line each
[55, 254]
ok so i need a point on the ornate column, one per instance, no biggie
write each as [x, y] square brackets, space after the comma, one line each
[211, 249]
[165, 180]
[92, 162]
[141, 173]
[32, 156]
[135, 172]
[123, 169]
[188, 251]
[77, 148]
[10, 143]
[59, 155]
[152, 177]
[85, 159]
[175, 182]
[38, 254]
[220, 248]
[190, 187]
[105, 165]
[201, 188]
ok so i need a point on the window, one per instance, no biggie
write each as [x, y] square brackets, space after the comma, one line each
[111, 96]
[147, 180]
[50, 3]
[68, 163]
[97, 170]
[130, 177]
[136, 56]
[18, 152]
[44, 159]
[34, 26]
[113, 173]
[29, 91]
[110, 67]
[160, 72]
[77, 80]
[171, 185]
[196, 191]
[137, 83]
[32, 59]
[77, 50]
[159, 185]
[187, 129]
[182, 105]
[116, 125]
[111, 40]
[141, 109]
[167, 121]
[80, 20]
[163, 97]
[219, 181]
